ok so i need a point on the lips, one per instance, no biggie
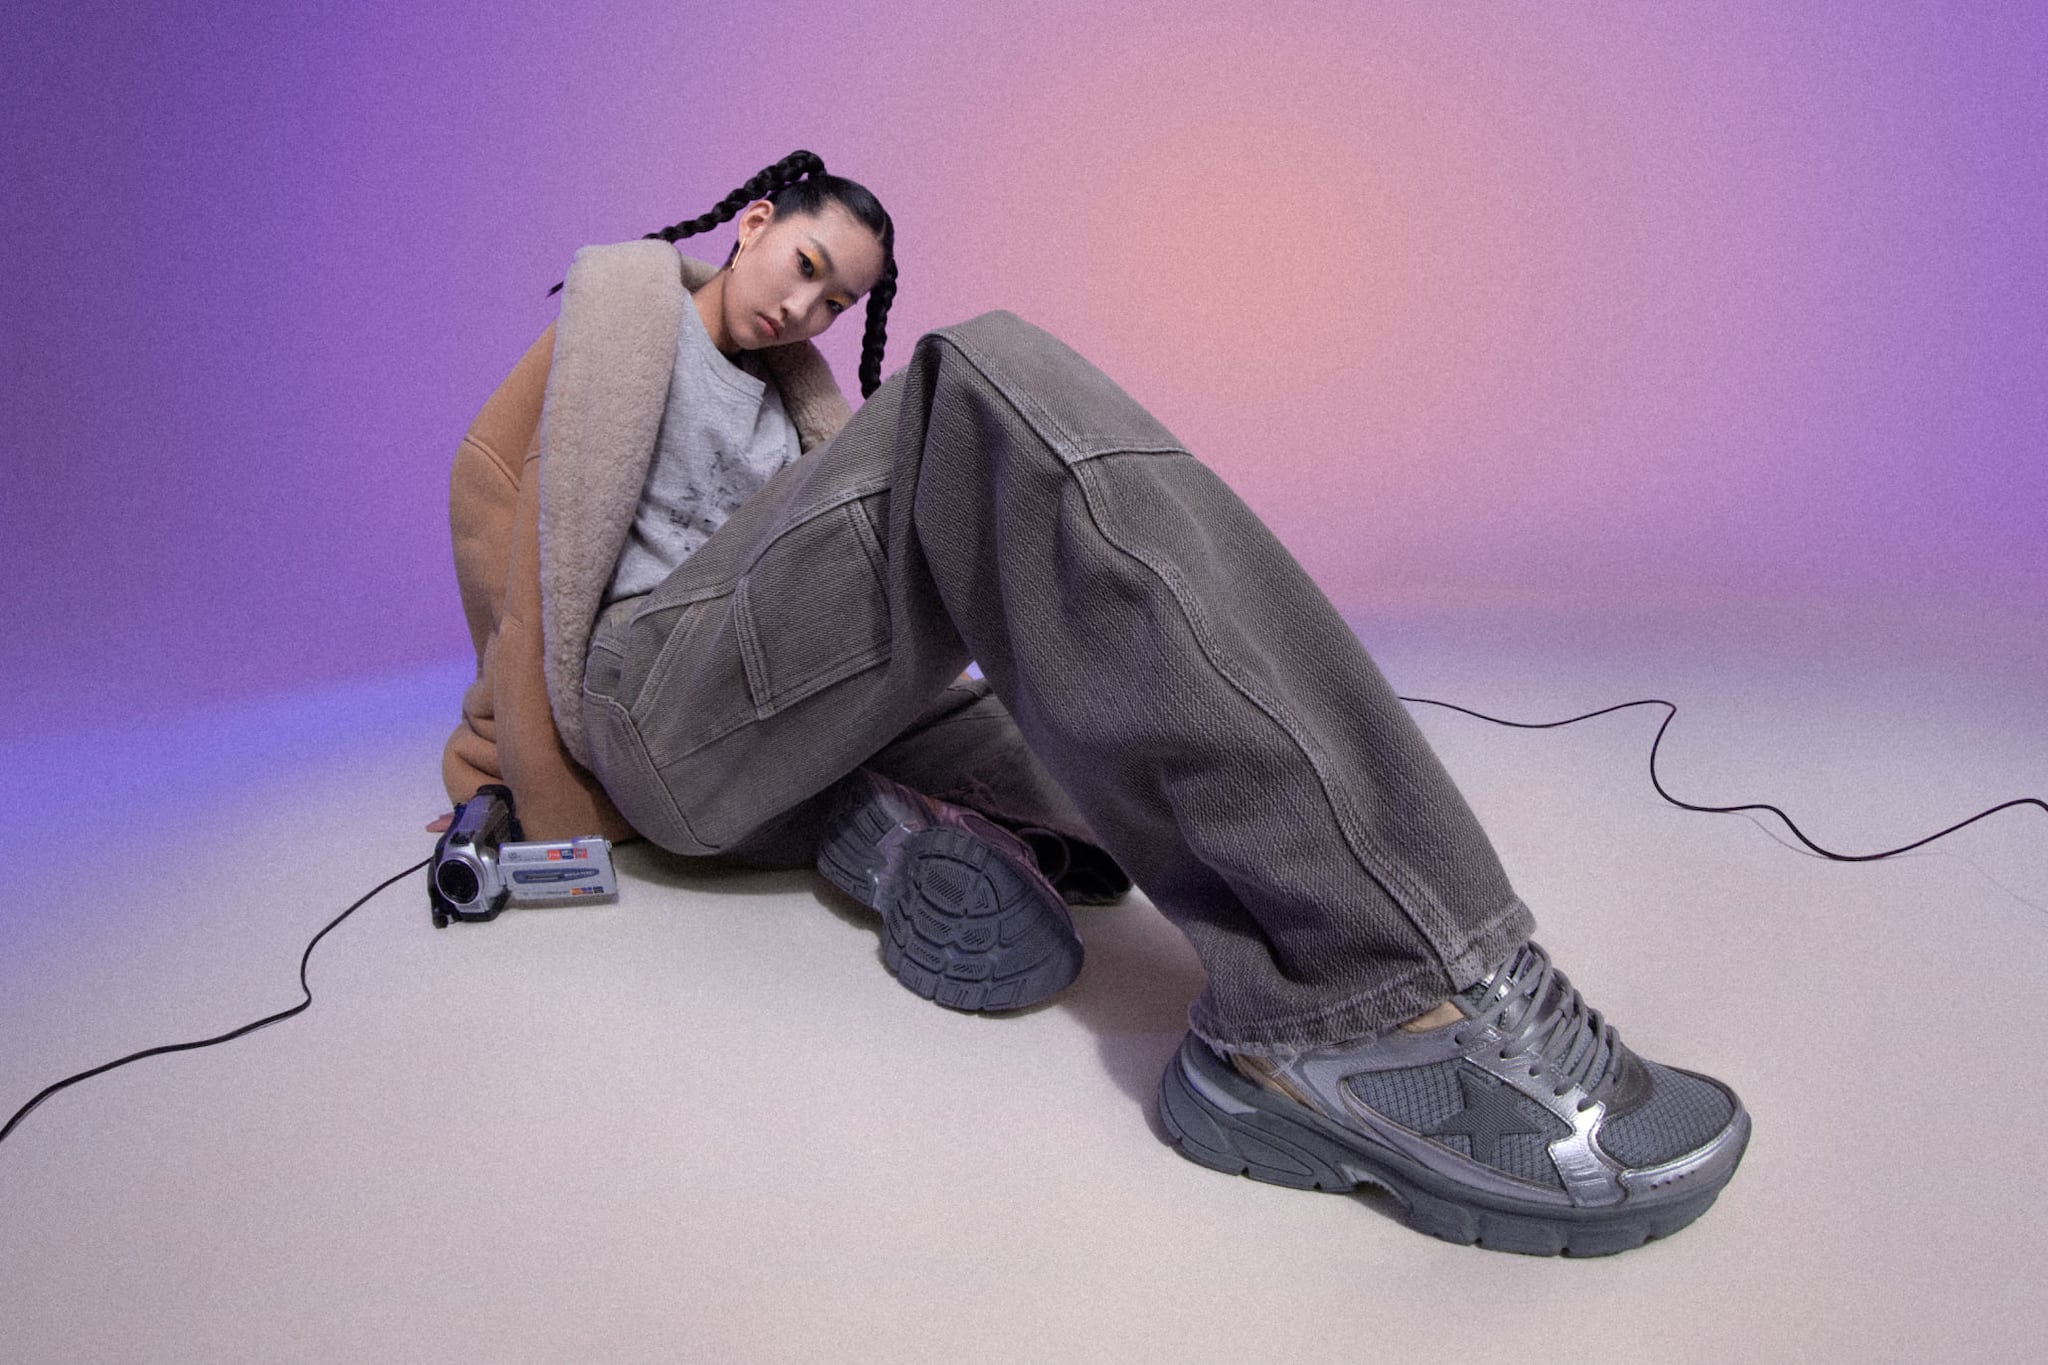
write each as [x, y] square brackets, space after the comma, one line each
[770, 326]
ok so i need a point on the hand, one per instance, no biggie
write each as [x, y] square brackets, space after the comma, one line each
[439, 824]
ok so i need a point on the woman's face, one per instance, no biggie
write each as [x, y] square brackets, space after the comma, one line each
[796, 274]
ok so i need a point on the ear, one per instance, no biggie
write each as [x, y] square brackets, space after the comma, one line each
[753, 218]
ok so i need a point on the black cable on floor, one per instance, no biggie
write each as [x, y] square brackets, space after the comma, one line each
[1671, 714]
[232, 1034]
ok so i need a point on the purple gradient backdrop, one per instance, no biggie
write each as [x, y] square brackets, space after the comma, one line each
[1501, 308]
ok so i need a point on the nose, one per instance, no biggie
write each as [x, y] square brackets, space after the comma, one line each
[806, 306]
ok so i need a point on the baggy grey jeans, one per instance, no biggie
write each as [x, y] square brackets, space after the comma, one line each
[1175, 672]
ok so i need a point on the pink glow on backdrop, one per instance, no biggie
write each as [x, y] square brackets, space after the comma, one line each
[1484, 307]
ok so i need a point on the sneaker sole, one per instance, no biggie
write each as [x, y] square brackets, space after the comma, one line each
[1246, 1129]
[961, 925]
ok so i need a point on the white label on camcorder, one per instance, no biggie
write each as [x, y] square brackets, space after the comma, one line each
[559, 869]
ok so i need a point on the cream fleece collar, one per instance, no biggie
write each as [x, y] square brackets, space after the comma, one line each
[615, 343]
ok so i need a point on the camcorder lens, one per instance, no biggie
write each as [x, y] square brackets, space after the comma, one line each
[457, 882]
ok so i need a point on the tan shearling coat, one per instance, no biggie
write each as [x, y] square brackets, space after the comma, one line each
[541, 496]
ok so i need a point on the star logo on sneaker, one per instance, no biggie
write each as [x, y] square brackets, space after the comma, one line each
[1491, 1113]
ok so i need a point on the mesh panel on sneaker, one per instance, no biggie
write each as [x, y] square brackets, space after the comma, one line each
[1527, 1157]
[1683, 1112]
[1418, 1097]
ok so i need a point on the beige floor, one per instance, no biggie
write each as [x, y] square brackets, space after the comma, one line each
[703, 1124]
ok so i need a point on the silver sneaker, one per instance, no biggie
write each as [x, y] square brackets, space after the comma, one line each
[968, 920]
[1526, 1126]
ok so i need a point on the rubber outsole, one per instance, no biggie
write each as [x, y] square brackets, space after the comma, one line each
[962, 924]
[1270, 1138]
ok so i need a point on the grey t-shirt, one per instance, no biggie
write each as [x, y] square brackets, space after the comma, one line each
[723, 433]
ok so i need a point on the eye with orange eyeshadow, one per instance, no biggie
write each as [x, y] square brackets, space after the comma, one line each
[809, 270]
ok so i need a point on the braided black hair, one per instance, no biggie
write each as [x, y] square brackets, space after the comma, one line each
[799, 184]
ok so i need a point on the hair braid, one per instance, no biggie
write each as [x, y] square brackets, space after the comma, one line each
[787, 171]
[767, 181]
[877, 334]
[799, 184]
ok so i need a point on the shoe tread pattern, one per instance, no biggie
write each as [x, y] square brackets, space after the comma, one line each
[962, 926]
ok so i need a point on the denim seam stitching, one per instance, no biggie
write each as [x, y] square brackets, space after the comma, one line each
[864, 527]
[752, 662]
[1312, 753]
[840, 496]
[767, 698]
[625, 729]
[740, 724]
[1360, 844]
[839, 670]
[664, 659]
[649, 607]
[1042, 421]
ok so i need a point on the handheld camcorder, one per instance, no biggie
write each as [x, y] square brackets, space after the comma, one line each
[483, 862]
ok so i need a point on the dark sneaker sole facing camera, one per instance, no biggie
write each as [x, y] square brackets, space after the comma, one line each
[1525, 1127]
[968, 920]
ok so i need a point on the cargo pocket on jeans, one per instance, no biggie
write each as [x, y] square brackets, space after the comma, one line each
[813, 609]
